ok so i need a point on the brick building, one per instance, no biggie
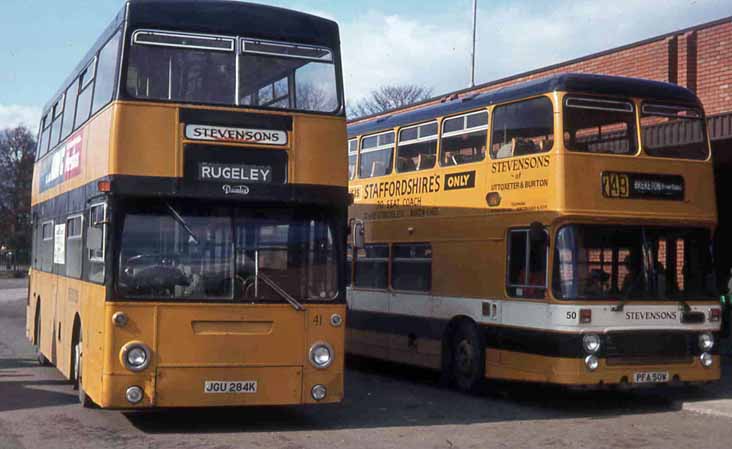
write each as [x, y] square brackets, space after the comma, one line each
[698, 58]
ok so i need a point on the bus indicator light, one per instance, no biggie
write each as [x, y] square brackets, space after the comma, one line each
[493, 199]
[715, 315]
[585, 316]
[104, 186]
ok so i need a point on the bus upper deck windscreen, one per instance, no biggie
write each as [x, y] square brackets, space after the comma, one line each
[228, 71]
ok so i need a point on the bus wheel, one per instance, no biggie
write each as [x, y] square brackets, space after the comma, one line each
[467, 363]
[78, 359]
[42, 360]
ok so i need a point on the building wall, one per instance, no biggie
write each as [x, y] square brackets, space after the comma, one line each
[699, 58]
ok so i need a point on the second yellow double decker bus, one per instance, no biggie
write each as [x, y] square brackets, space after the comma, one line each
[555, 231]
[189, 211]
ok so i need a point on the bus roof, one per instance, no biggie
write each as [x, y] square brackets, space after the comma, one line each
[221, 17]
[227, 17]
[570, 82]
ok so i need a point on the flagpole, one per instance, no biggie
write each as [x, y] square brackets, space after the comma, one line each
[472, 54]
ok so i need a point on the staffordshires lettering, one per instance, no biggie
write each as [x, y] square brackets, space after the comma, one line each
[236, 135]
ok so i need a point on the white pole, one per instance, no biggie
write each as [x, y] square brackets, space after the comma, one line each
[472, 54]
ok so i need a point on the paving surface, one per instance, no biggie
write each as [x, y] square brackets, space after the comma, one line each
[387, 406]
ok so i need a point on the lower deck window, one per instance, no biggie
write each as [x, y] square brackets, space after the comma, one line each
[412, 267]
[372, 267]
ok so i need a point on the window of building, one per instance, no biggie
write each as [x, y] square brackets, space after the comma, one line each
[527, 263]
[74, 259]
[377, 154]
[464, 139]
[412, 267]
[352, 156]
[95, 241]
[372, 267]
[58, 111]
[86, 89]
[522, 128]
[594, 125]
[674, 131]
[417, 148]
[106, 73]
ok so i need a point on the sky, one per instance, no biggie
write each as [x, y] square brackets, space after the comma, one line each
[424, 42]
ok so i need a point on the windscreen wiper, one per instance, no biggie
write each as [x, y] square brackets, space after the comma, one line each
[280, 291]
[182, 222]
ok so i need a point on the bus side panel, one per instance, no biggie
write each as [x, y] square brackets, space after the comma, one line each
[69, 295]
[44, 286]
[96, 155]
[91, 306]
[59, 325]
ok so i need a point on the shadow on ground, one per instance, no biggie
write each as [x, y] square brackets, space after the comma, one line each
[383, 394]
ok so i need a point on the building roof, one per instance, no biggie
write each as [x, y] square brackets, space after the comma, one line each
[569, 82]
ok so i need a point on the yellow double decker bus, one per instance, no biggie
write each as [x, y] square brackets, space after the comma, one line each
[189, 212]
[557, 231]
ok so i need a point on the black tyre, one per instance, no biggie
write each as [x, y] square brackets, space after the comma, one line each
[42, 360]
[467, 363]
[84, 400]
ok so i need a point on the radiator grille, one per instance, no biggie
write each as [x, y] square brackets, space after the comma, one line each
[648, 348]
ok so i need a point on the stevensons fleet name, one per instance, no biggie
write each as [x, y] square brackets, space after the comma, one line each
[236, 135]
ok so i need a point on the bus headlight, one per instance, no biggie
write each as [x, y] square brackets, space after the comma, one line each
[706, 359]
[135, 356]
[591, 343]
[706, 341]
[592, 362]
[321, 355]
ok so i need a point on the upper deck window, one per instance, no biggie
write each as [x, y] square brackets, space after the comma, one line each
[377, 154]
[464, 138]
[417, 148]
[191, 68]
[182, 67]
[352, 155]
[287, 76]
[523, 128]
[674, 131]
[594, 125]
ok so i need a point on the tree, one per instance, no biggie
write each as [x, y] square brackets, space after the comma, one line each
[386, 98]
[17, 154]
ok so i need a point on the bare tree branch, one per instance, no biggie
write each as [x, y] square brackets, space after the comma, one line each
[390, 97]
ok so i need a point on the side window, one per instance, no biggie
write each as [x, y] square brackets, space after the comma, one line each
[95, 242]
[70, 108]
[43, 138]
[523, 128]
[352, 155]
[74, 257]
[86, 88]
[411, 267]
[417, 148]
[46, 247]
[372, 267]
[464, 139]
[57, 114]
[377, 154]
[106, 73]
[527, 262]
